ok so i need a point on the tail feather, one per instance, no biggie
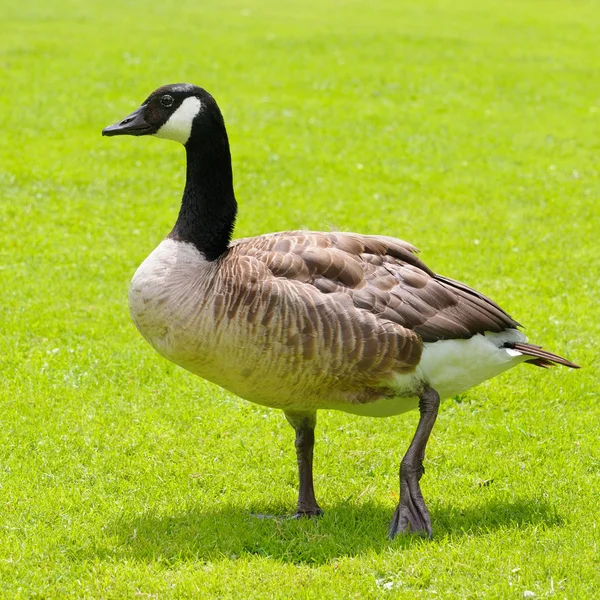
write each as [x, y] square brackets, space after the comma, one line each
[541, 358]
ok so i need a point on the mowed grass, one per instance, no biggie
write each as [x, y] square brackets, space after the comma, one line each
[470, 129]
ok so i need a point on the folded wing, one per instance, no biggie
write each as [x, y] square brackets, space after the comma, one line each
[382, 276]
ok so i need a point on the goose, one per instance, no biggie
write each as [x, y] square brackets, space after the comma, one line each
[304, 320]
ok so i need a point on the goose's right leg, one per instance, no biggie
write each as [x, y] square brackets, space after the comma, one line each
[412, 515]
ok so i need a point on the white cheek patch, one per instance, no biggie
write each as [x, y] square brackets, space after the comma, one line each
[179, 126]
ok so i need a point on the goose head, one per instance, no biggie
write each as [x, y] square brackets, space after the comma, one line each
[189, 115]
[178, 112]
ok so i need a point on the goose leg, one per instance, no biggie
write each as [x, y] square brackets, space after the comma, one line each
[411, 515]
[304, 424]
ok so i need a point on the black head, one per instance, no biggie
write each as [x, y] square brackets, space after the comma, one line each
[170, 112]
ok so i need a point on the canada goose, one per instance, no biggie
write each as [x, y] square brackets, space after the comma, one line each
[304, 320]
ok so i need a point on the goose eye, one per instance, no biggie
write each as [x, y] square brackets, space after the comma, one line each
[167, 100]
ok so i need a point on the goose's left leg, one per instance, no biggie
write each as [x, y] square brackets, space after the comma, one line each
[412, 515]
[304, 424]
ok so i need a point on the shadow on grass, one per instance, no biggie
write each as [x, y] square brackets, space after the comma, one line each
[345, 530]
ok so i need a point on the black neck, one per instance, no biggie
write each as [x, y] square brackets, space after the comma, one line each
[208, 207]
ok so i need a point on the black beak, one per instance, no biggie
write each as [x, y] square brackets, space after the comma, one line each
[133, 124]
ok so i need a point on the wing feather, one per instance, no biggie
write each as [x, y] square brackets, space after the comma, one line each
[368, 299]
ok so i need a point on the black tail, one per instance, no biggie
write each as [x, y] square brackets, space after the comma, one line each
[542, 358]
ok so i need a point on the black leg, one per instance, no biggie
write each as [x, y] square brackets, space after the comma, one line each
[411, 515]
[304, 424]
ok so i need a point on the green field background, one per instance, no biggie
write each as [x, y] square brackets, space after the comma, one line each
[468, 128]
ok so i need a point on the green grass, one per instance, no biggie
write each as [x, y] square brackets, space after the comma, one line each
[470, 129]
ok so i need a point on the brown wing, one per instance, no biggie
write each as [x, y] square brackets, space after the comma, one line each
[381, 276]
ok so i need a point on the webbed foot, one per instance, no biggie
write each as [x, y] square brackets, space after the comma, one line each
[411, 515]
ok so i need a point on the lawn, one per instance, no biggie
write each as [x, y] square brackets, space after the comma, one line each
[469, 128]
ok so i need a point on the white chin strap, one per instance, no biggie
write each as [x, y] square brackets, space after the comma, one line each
[179, 126]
